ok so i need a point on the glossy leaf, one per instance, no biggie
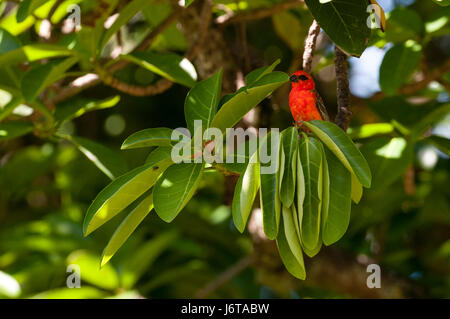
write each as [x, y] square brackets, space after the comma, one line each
[289, 142]
[168, 65]
[74, 108]
[269, 191]
[160, 136]
[311, 159]
[336, 218]
[345, 22]
[175, 188]
[31, 52]
[202, 101]
[108, 161]
[245, 193]
[235, 108]
[255, 75]
[141, 208]
[122, 192]
[344, 149]
[292, 260]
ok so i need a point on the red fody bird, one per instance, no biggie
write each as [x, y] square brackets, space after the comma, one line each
[304, 102]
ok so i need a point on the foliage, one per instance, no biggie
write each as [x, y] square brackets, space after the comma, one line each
[69, 98]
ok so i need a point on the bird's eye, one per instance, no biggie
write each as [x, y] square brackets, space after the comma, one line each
[303, 77]
[293, 78]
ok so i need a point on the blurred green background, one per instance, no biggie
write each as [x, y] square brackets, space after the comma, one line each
[402, 223]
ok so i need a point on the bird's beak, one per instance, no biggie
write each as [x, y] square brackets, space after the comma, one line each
[293, 78]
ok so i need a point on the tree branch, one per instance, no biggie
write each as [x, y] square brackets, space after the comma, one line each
[343, 89]
[310, 45]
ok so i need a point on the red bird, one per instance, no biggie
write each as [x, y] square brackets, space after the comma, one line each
[304, 102]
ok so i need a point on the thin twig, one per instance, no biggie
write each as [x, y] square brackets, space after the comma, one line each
[259, 13]
[343, 89]
[224, 277]
[310, 45]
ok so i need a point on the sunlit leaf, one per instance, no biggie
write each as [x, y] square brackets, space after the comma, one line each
[344, 149]
[311, 152]
[140, 209]
[175, 188]
[289, 142]
[336, 218]
[345, 22]
[202, 101]
[122, 192]
[235, 108]
[168, 65]
[245, 193]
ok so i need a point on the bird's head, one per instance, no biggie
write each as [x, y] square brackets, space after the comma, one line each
[302, 81]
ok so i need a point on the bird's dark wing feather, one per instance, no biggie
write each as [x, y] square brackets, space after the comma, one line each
[321, 107]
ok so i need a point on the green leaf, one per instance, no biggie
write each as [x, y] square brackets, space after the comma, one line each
[292, 259]
[357, 189]
[38, 78]
[269, 191]
[122, 192]
[344, 149]
[10, 130]
[140, 210]
[158, 154]
[168, 65]
[398, 64]
[441, 142]
[388, 159]
[255, 75]
[29, 53]
[105, 278]
[311, 152]
[108, 161]
[245, 193]
[8, 42]
[175, 188]
[336, 218]
[345, 22]
[301, 189]
[289, 142]
[241, 155]
[160, 136]
[235, 108]
[126, 13]
[27, 7]
[74, 108]
[202, 101]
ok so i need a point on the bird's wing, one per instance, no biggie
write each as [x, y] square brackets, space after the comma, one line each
[321, 106]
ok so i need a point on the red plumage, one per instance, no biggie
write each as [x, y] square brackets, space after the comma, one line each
[303, 99]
